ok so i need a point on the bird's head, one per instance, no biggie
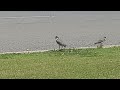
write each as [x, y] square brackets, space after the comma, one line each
[56, 37]
[104, 38]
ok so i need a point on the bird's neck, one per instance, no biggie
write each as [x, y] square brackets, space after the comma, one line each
[57, 38]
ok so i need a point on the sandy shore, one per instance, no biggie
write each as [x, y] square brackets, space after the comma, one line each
[25, 51]
[106, 46]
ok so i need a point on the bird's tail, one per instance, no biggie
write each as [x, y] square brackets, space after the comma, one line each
[65, 45]
[95, 43]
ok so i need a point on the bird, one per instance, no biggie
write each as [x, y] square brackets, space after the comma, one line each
[60, 42]
[101, 41]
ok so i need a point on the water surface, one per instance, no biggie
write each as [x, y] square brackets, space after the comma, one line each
[75, 28]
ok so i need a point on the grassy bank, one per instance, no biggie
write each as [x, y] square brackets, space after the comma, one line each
[66, 64]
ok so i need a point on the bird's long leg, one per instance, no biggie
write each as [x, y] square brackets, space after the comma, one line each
[100, 45]
[64, 47]
[59, 47]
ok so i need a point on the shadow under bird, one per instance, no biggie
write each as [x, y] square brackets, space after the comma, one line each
[60, 42]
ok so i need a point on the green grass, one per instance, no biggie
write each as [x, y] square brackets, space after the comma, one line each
[89, 63]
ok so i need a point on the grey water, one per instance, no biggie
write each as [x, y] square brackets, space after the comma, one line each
[75, 28]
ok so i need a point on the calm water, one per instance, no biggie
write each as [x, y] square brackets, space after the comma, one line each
[75, 28]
